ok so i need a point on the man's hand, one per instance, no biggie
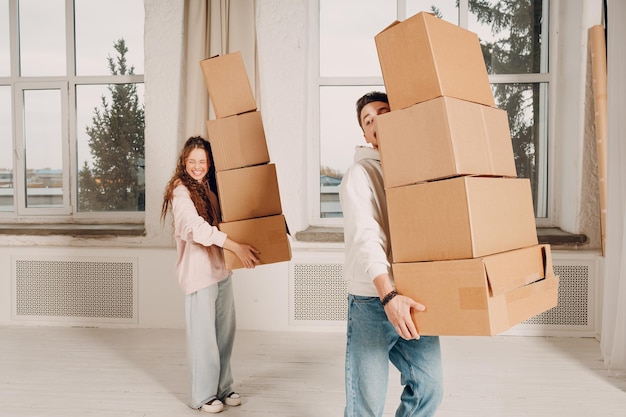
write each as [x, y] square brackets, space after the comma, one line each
[398, 308]
[398, 311]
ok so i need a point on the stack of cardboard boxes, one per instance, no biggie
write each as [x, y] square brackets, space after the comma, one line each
[246, 180]
[462, 226]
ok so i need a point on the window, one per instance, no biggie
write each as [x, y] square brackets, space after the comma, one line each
[514, 40]
[71, 110]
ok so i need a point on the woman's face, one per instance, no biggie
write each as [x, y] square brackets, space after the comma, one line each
[197, 164]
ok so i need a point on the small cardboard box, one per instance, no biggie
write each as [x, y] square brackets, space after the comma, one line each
[425, 57]
[238, 141]
[228, 84]
[266, 234]
[444, 137]
[246, 193]
[459, 218]
[482, 296]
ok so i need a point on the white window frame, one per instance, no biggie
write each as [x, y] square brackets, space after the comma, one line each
[548, 97]
[19, 159]
[68, 213]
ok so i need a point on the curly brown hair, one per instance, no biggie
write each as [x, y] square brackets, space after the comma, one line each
[203, 194]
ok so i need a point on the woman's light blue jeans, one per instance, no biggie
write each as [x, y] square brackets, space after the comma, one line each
[210, 319]
[372, 343]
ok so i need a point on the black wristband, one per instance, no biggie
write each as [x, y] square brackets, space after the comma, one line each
[388, 297]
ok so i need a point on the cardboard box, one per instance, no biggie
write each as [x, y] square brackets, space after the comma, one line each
[482, 296]
[238, 141]
[444, 137]
[425, 57]
[250, 192]
[266, 234]
[228, 84]
[459, 218]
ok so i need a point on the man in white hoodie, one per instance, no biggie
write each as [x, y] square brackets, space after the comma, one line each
[380, 329]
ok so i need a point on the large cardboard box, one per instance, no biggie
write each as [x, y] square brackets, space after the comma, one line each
[250, 192]
[459, 218]
[482, 296]
[238, 141]
[266, 234]
[228, 84]
[444, 137]
[425, 57]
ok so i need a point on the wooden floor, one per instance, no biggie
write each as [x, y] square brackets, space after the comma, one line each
[72, 372]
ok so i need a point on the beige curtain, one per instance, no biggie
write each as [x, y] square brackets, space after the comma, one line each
[613, 341]
[213, 27]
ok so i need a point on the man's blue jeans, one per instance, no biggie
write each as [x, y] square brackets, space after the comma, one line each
[372, 343]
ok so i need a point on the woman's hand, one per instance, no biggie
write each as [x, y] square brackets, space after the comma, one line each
[246, 253]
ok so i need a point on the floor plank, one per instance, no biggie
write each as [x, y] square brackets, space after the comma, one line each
[72, 372]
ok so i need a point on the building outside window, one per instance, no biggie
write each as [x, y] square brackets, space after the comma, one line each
[71, 110]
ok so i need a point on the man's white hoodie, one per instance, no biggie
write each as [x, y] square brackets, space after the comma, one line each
[366, 226]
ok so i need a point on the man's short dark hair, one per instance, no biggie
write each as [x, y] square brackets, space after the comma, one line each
[368, 98]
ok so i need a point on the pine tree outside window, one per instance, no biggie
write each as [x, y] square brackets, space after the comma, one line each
[71, 111]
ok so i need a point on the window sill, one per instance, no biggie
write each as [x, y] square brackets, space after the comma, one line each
[77, 230]
[546, 235]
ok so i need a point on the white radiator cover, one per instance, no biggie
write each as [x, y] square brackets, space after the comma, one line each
[80, 290]
[95, 291]
[318, 295]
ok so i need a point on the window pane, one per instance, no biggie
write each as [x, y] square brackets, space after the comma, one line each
[526, 105]
[110, 147]
[6, 158]
[96, 36]
[43, 145]
[444, 9]
[347, 30]
[42, 37]
[510, 35]
[339, 135]
[5, 62]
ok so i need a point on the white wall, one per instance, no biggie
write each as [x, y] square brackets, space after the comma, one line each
[282, 30]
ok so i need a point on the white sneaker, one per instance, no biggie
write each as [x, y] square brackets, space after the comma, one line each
[233, 399]
[213, 406]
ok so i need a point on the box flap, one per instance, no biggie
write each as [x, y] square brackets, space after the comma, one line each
[531, 300]
[513, 269]
[392, 24]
